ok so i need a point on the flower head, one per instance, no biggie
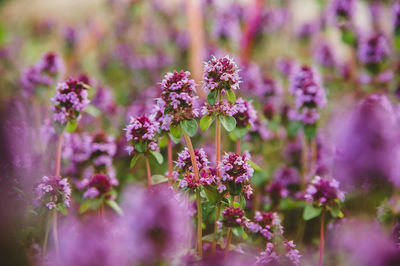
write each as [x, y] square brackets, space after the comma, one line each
[220, 108]
[246, 114]
[323, 192]
[343, 12]
[99, 185]
[221, 74]
[69, 101]
[54, 190]
[158, 114]
[396, 17]
[141, 133]
[232, 217]
[374, 49]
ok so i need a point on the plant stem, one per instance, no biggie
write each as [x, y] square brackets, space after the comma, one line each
[101, 211]
[148, 171]
[218, 145]
[169, 161]
[46, 236]
[198, 199]
[214, 243]
[304, 163]
[228, 240]
[58, 156]
[238, 146]
[313, 145]
[321, 238]
[55, 232]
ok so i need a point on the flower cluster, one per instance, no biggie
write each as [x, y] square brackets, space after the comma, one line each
[306, 85]
[233, 217]
[373, 50]
[43, 73]
[158, 115]
[54, 190]
[141, 132]
[220, 108]
[221, 74]
[246, 114]
[323, 192]
[271, 257]
[99, 185]
[178, 96]
[265, 223]
[323, 55]
[236, 173]
[343, 12]
[70, 99]
[396, 17]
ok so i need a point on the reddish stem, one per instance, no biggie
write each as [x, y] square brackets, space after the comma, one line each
[169, 160]
[58, 156]
[148, 172]
[321, 236]
[238, 146]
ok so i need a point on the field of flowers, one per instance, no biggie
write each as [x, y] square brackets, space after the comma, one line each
[200, 132]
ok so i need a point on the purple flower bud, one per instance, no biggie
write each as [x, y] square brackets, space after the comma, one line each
[142, 131]
[232, 217]
[54, 190]
[220, 74]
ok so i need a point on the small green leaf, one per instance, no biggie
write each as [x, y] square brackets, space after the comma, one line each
[61, 208]
[163, 141]
[140, 146]
[311, 212]
[240, 132]
[254, 165]
[212, 194]
[236, 204]
[158, 156]
[134, 159]
[205, 122]
[189, 126]
[84, 206]
[175, 131]
[310, 131]
[293, 127]
[114, 205]
[71, 126]
[157, 179]
[228, 122]
[231, 95]
[336, 212]
[59, 128]
[174, 140]
[212, 97]
[92, 110]
[237, 231]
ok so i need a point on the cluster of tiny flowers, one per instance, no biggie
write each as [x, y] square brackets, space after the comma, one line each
[323, 55]
[178, 95]
[246, 114]
[142, 130]
[71, 98]
[268, 88]
[305, 84]
[343, 12]
[220, 74]
[374, 49]
[233, 217]
[265, 223]
[54, 190]
[396, 17]
[158, 115]
[99, 185]
[323, 192]
[220, 108]
[234, 167]
[43, 73]
[271, 257]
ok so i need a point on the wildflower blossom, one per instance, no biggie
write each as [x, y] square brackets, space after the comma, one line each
[373, 51]
[99, 185]
[266, 223]
[232, 217]
[323, 192]
[246, 115]
[220, 108]
[324, 55]
[158, 115]
[69, 101]
[342, 12]
[141, 133]
[271, 255]
[54, 190]
[396, 17]
[220, 74]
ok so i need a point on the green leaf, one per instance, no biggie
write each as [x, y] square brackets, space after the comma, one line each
[157, 179]
[237, 231]
[293, 127]
[212, 194]
[114, 205]
[174, 140]
[212, 97]
[240, 132]
[336, 212]
[205, 122]
[84, 206]
[236, 205]
[310, 131]
[134, 159]
[189, 126]
[254, 165]
[163, 141]
[228, 122]
[158, 156]
[140, 146]
[231, 95]
[71, 126]
[175, 131]
[311, 212]
[61, 208]
[92, 110]
[59, 128]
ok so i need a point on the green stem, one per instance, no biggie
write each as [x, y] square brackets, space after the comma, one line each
[55, 232]
[46, 237]
[214, 243]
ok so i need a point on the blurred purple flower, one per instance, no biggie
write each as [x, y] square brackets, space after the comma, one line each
[220, 74]
[53, 191]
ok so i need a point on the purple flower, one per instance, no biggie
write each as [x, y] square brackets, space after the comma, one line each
[272, 255]
[220, 108]
[374, 49]
[233, 217]
[221, 74]
[265, 223]
[342, 12]
[178, 94]
[158, 115]
[99, 185]
[51, 64]
[323, 192]
[53, 191]
[69, 101]
[368, 148]
[324, 55]
[396, 17]
[141, 133]
[246, 115]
